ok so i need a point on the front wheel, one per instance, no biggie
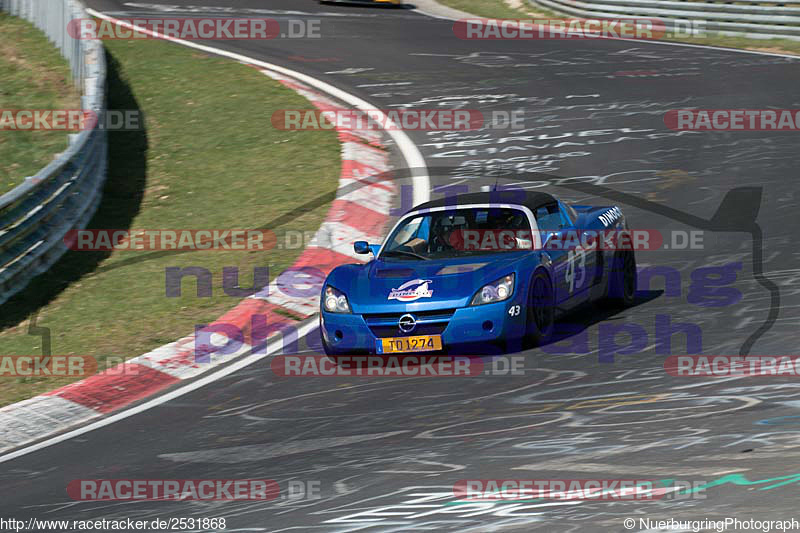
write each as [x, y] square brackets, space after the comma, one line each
[622, 279]
[325, 346]
[541, 310]
[327, 349]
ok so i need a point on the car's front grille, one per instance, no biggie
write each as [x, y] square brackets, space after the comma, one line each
[428, 323]
[421, 329]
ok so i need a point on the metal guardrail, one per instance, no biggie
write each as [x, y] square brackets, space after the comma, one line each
[36, 215]
[758, 19]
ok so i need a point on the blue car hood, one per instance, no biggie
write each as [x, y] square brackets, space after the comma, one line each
[407, 286]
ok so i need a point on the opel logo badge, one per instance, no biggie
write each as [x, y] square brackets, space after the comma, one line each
[407, 323]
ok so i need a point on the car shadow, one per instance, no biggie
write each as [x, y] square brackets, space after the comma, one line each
[570, 325]
[123, 191]
[592, 313]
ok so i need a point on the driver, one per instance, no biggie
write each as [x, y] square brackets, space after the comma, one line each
[440, 234]
[518, 223]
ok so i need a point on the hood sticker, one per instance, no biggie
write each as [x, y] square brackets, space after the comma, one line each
[411, 290]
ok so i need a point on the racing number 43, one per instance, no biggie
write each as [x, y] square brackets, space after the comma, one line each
[576, 268]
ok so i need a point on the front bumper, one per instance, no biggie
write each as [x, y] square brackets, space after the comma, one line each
[345, 333]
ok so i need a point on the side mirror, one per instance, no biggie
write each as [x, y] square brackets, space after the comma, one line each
[361, 247]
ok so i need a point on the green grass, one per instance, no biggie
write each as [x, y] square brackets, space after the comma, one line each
[208, 158]
[33, 75]
[782, 46]
[500, 9]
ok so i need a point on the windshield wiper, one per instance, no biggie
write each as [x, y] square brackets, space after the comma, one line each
[403, 252]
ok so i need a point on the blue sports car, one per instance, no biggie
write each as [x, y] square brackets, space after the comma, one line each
[490, 267]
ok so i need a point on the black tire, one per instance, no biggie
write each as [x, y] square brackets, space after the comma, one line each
[622, 280]
[541, 310]
[332, 355]
[325, 346]
[327, 349]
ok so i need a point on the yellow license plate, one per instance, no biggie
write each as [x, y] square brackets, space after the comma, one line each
[418, 343]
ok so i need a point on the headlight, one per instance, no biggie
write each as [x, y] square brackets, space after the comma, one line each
[497, 291]
[334, 301]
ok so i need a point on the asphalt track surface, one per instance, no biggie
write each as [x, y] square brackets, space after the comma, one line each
[385, 453]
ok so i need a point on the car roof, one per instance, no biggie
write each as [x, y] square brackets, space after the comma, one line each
[531, 200]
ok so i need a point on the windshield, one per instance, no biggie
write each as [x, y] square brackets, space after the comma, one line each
[460, 232]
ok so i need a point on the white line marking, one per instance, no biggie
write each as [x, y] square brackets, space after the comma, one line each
[302, 331]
